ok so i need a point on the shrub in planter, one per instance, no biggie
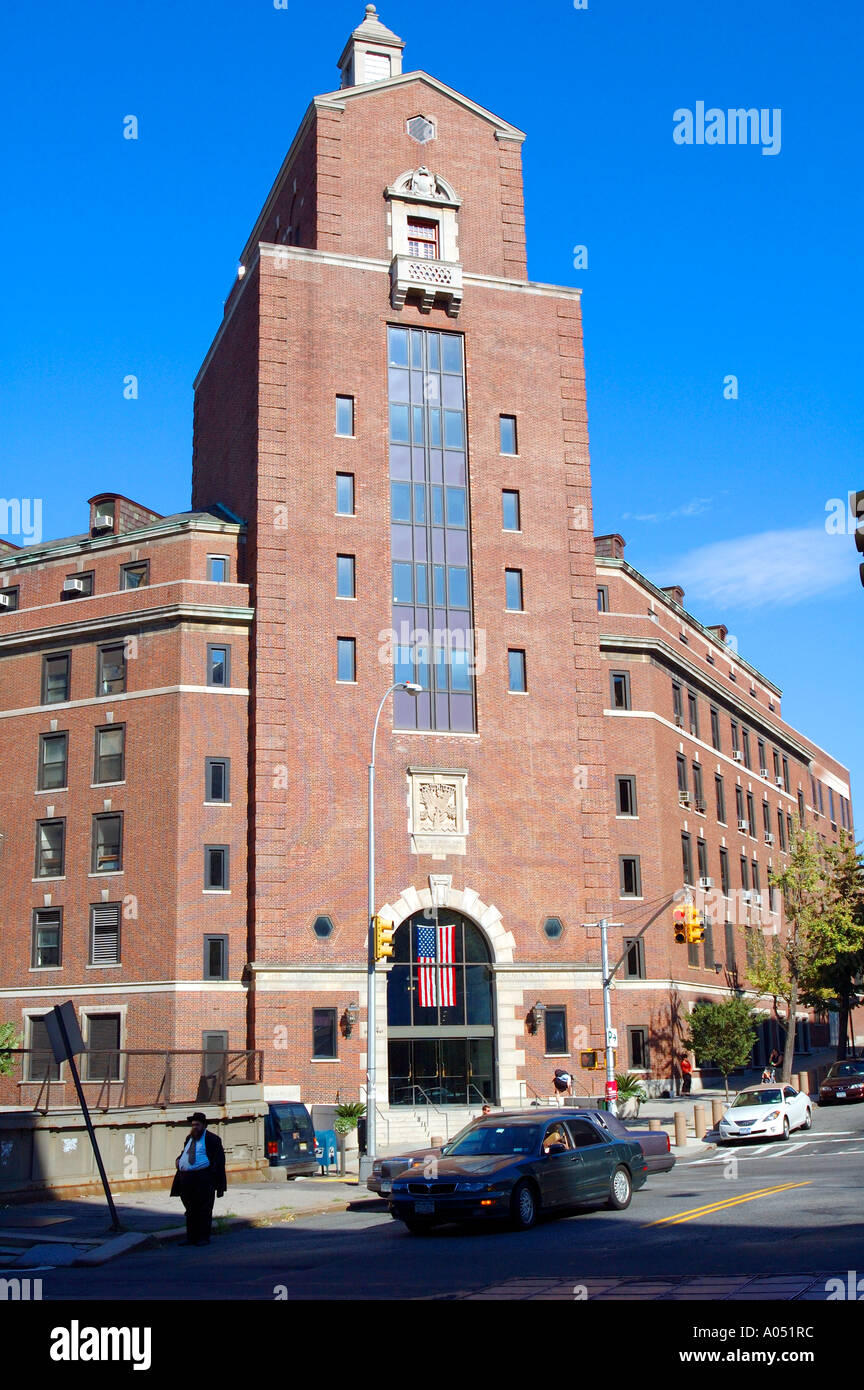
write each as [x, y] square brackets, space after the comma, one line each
[345, 1122]
[631, 1094]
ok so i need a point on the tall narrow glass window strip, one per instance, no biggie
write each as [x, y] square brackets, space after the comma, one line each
[345, 415]
[430, 528]
[345, 576]
[508, 434]
[510, 511]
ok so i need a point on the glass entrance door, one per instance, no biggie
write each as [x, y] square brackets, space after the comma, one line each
[441, 1071]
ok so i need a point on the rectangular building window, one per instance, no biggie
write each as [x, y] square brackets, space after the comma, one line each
[346, 659]
[821, 800]
[724, 872]
[215, 958]
[687, 857]
[55, 678]
[786, 783]
[781, 829]
[625, 796]
[620, 686]
[681, 764]
[777, 774]
[429, 531]
[715, 728]
[324, 1033]
[745, 873]
[102, 1057]
[831, 813]
[698, 790]
[751, 815]
[801, 815]
[634, 960]
[790, 830]
[702, 858]
[423, 238]
[513, 590]
[47, 938]
[345, 416]
[218, 665]
[107, 844]
[555, 1025]
[78, 585]
[135, 576]
[111, 670]
[50, 848]
[10, 597]
[745, 743]
[739, 807]
[40, 1060]
[105, 934]
[736, 747]
[637, 1047]
[720, 796]
[53, 761]
[109, 760]
[510, 517]
[216, 878]
[518, 680]
[507, 428]
[708, 943]
[345, 494]
[345, 576]
[218, 569]
[214, 1062]
[216, 779]
[729, 934]
[677, 705]
[630, 876]
[757, 884]
[602, 598]
[693, 713]
[763, 764]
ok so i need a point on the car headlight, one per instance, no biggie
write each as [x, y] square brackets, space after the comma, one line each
[774, 1115]
[472, 1187]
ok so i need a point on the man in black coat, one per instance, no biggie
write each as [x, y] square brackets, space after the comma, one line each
[200, 1179]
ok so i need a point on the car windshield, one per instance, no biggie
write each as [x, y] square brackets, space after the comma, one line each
[757, 1098]
[844, 1069]
[495, 1139]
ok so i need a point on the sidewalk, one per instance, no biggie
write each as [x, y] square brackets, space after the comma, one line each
[76, 1231]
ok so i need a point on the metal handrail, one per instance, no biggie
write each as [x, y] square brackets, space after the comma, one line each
[381, 1116]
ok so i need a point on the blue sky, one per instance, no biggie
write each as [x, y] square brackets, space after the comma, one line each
[703, 262]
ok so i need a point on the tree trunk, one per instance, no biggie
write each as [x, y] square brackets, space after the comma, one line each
[726, 1084]
[789, 1044]
[843, 1026]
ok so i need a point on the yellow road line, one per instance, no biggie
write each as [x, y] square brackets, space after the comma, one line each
[682, 1216]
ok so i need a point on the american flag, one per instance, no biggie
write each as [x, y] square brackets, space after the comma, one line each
[435, 962]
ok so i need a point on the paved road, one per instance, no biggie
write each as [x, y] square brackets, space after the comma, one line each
[773, 1209]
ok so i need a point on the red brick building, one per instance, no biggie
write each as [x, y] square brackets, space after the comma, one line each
[391, 483]
[707, 782]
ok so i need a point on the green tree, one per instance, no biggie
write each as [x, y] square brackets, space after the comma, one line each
[8, 1039]
[818, 927]
[836, 984]
[723, 1033]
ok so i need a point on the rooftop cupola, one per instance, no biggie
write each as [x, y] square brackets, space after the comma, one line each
[372, 54]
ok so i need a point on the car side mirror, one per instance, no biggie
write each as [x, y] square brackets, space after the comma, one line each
[556, 1149]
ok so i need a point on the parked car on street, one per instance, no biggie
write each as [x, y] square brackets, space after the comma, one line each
[655, 1144]
[765, 1112]
[844, 1081]
[289, 1139]
[515, 1166]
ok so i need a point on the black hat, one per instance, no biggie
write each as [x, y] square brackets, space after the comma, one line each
[199, 1116]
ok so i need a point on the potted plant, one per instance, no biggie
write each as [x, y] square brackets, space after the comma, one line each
[345, 1121]
[631, 1094]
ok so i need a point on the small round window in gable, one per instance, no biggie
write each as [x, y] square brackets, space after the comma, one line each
[421, 129]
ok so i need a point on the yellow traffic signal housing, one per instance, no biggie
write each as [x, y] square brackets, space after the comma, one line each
[679, 918]
[694, 925]
[383, 938]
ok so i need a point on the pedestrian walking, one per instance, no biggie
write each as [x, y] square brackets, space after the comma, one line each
[686, 1074]
[200, 1179]
[562, 1081]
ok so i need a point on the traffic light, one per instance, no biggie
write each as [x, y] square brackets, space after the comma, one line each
[679, 918]
[693, 925]
[383, 938]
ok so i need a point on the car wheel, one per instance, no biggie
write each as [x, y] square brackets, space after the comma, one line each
[417, 1225]
[808, 1120]
[523, 1206]
[785, 1134]
[620, 1190]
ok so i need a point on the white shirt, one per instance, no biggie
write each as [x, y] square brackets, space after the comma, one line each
[194, 1155]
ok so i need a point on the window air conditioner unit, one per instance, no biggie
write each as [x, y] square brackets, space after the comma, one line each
[73, 586]
[679, 721]
[779, 781]
[756, 899]
[103, 521]
[769, 838]
[746, 895]
[743, 826]
[763, 772]
[683, 798]
[6, 600]
[738, 755]
[706, 883]
[699, 805]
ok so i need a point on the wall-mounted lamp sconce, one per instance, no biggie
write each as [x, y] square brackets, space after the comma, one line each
[349, 1019]
[535, 1017]
[718, 966]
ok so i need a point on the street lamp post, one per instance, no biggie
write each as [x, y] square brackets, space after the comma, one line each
[371, 1059]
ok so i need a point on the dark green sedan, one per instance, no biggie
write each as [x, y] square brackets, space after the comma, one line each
[517, 1166]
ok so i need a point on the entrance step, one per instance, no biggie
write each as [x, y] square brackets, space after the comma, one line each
[406, 1126]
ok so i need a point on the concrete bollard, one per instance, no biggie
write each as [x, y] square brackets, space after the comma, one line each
[700, 1120]
[680, 1129]
[804, 1082]
[717, 1109]
[795, 1081]
[436, 1141]
[653, 1125]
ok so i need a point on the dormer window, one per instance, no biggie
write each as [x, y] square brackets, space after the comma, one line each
[423, 238]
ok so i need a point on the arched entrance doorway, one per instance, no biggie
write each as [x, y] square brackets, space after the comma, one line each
[440, 1011]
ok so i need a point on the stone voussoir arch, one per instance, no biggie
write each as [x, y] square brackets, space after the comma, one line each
[464, 900]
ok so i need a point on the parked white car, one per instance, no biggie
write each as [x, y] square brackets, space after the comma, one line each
[766, 1112]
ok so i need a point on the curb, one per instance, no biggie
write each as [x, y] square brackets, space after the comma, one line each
[110, 1250]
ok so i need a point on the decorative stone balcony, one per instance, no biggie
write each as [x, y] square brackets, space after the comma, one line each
[441, 280]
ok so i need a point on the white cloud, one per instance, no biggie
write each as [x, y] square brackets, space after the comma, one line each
[771, 568]
[695, 507]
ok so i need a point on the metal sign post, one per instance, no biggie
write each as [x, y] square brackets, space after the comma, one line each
[66, 1041]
